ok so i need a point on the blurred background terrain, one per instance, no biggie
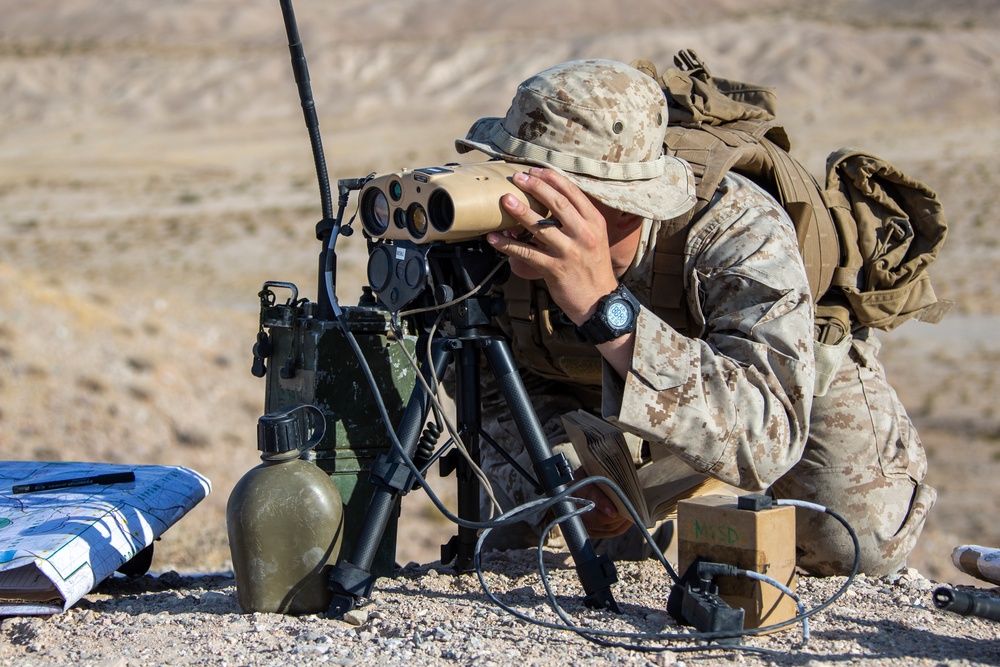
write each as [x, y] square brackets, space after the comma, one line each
[155, 171]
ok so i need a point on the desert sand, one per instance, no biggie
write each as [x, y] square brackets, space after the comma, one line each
[155, 171]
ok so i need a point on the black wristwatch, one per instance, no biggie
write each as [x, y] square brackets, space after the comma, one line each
[616, 315]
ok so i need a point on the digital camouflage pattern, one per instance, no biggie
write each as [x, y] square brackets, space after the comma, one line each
[865, 461]
[733, 401]
[601, 123]
[736, 400]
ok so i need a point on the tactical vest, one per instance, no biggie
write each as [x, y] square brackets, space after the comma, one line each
[543, 339]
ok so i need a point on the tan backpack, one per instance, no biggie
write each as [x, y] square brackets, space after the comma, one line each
[866, 239]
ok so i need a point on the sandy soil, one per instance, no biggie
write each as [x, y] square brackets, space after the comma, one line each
[155, 171]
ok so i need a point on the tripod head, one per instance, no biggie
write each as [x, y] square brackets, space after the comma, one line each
[431, 275]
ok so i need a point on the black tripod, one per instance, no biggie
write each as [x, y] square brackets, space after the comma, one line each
[462, 266]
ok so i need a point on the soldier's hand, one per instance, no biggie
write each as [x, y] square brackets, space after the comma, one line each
[604, 520]
[572, 256]
[579, 257]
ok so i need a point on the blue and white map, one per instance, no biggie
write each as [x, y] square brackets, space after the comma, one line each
[56, 545]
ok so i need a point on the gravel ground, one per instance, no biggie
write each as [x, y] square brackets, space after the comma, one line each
[427, 615]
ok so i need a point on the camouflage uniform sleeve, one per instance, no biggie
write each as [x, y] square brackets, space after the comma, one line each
[734, 403]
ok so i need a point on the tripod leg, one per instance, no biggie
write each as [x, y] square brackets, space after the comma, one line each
[351, 579]
[462, 547]
[596, 573]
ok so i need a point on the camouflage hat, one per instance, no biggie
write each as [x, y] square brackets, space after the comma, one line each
[599, 122]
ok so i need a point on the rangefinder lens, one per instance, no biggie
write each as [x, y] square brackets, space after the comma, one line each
[380, 265]
[417, 220]
[395, 190]
[442, 210]
[375, 212]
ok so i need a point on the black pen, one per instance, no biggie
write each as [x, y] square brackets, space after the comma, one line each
[110, 478]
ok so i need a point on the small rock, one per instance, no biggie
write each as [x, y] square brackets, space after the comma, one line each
[356, 617]
[171, 579]
[313, 637]
[441, 635]
[312, 649]
[214, 598]
[113, 662]
[666, 659]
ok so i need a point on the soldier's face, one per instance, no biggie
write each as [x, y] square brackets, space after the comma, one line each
[622, 235]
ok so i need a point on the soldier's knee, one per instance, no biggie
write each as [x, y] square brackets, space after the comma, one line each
[825, 547]
[827, 554]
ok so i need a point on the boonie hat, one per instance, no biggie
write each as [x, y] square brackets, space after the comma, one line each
[601, 123]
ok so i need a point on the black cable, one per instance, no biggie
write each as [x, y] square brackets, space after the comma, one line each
[592, 635]
[596, 636]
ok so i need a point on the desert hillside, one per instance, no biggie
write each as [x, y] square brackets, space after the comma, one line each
[155, 171]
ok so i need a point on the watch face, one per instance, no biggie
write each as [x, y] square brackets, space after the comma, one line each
[619, 314]
[616, 315]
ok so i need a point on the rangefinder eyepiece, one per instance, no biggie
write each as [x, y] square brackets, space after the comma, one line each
[450, 203]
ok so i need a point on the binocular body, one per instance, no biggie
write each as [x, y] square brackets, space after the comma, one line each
[456, 202]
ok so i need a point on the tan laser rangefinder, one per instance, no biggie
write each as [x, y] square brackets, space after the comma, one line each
[452, 203]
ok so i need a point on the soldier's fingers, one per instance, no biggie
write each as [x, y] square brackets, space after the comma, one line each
[532, 224]
[564, 195]
[529, 250]
[566, 202]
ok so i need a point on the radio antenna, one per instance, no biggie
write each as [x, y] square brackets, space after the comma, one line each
[329, 226]
[301, 71]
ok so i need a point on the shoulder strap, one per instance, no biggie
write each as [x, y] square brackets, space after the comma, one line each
[719, 125]
[744, 147]
[800, 195]
[668, 298]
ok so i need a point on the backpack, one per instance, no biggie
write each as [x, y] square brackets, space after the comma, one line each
[866, 239]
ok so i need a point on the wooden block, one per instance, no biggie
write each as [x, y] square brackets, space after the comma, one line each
[714, 528]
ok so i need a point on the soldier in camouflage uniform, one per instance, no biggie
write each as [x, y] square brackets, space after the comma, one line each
[733, 395]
